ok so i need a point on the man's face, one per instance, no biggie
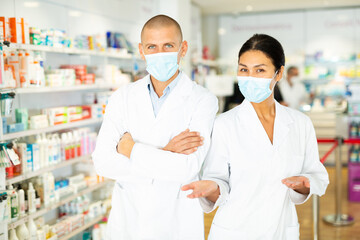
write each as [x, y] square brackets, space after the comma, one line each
[163, 39]
[294, 73]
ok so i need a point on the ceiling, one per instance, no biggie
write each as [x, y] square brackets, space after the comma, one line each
[209, 7]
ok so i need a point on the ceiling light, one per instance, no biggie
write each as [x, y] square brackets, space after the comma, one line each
[249, 8]
[31, 4]
[74, 13]
[221, 31]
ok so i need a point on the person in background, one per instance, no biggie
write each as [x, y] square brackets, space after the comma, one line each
[154, 139]
[293, 90]
[263, 158]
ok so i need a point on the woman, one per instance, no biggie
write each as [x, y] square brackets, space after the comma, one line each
[264, 157]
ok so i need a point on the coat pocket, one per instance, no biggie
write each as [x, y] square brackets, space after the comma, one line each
[292, 233]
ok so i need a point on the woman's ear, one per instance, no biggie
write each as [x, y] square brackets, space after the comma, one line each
[279, 75]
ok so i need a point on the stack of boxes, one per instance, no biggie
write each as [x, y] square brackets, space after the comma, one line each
[82, 77]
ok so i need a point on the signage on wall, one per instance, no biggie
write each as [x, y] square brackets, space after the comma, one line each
[342, 24]
[259, 28]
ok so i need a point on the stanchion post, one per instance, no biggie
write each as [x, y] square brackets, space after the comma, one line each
[316, 217]
[338, 219]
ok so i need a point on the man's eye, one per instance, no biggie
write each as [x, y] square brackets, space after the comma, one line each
[151, 47]
[243, 70]
[169, 45]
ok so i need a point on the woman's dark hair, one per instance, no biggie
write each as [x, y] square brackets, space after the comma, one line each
[268, 45]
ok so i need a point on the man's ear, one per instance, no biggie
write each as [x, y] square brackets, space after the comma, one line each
[141, 51]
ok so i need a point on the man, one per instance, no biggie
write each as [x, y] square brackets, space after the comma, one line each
[293, 91]
[154, 138]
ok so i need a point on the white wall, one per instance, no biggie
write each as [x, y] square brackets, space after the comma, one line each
[334, 32]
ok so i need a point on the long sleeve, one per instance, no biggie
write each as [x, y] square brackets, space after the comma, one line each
[149, 161]
[216, 168]
[313, 169]
[108, 162]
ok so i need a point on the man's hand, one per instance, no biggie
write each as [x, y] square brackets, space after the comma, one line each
[204, 188]
[299, 184]
[185, 143]
[125, 145]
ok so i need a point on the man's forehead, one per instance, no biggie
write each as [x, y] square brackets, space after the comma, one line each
[153, 33]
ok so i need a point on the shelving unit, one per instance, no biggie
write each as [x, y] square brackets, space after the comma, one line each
[108, 54]
[50, 129]
[79, 230]
[112, 53]
[29, 175]
[58, 204]
[66, 89]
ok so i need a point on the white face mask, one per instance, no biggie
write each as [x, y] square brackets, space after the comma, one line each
[295, 79]
[162, 66]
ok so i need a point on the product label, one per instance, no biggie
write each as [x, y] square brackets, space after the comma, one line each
[14, 207]
[13, 156]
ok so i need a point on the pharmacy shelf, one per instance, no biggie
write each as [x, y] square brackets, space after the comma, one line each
[113, 53]
[29, 175]
[66, 89]
[51, 129]
[81, 229]
[45, 210]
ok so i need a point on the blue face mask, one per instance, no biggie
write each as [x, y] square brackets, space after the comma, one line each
[162, 66]
[255, 89]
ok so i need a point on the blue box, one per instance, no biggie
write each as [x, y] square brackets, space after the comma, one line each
[4, 124]
[15, 127]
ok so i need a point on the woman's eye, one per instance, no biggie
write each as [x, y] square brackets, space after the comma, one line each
[260, 70]
[243, 70]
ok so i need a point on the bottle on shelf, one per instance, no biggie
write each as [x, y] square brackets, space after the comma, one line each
[31, 226]
[14, 199]
[31, 198]
[13, 60]
[12, 235]
[22, 232]
[22, 206]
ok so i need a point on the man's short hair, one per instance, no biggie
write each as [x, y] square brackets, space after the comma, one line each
[290, 69]
[161, 21]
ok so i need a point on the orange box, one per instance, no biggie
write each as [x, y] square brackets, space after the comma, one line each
[25, 31]
[5, 28]
[16, 30]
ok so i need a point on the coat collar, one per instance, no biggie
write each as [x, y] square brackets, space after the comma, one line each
[182, 89]
[247, 115]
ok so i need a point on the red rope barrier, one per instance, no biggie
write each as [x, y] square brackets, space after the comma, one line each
[352, 141]
[323, 159]
[326, 140]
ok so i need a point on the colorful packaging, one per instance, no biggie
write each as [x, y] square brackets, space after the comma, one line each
[16, 30]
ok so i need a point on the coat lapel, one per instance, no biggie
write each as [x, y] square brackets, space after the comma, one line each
[176, 97]
[144, 101]
[281, 126]
[253, 125]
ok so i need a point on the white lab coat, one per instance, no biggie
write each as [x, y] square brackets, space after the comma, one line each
[254, 204]
[147, 202]
[294, 95]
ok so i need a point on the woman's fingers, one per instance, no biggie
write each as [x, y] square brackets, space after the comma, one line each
[188, 186]
[296, 182]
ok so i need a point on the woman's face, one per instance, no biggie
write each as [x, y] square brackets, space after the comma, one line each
[255, 63]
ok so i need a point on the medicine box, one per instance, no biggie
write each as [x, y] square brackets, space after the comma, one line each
[354, 182]
[5, 28]
[16, 30]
